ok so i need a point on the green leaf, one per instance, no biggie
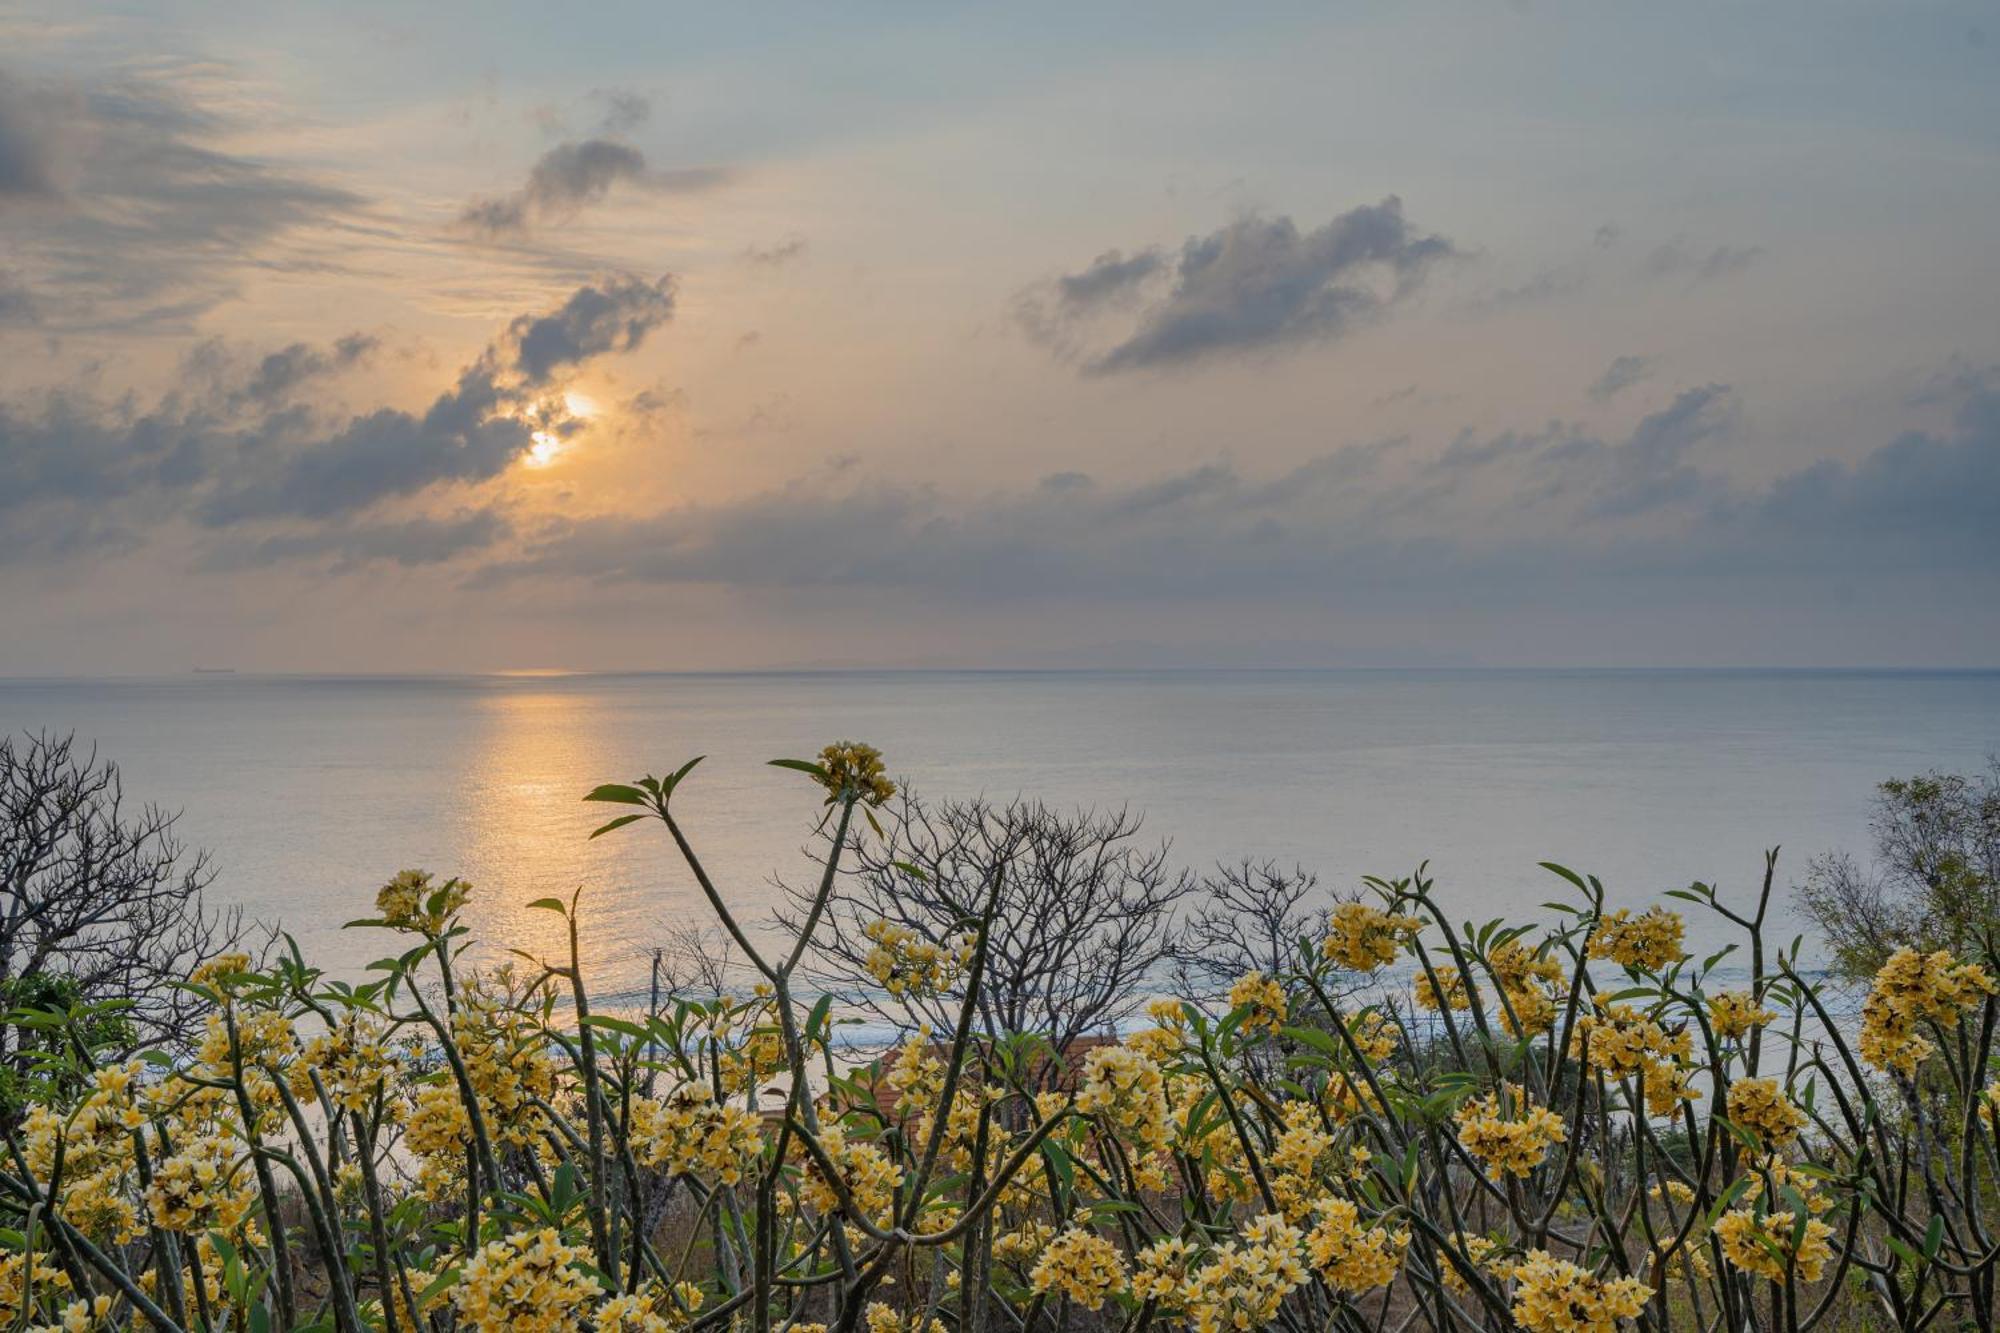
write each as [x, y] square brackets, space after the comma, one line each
[1933, 1237]
[437, 1286]
[1314, 1038]
[817, 1018]
[617, 823]
[1566, 873]
[622, 1026]
[618, 794]
[1729, 1197]
[1060, 1165]
[802, 766]
[556, 904]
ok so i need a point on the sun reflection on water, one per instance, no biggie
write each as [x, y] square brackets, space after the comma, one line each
[524, 837]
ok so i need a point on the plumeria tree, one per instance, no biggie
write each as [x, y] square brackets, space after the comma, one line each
[1396, 1122]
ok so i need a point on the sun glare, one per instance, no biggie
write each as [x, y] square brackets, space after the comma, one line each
[544, 449]
[579, 405]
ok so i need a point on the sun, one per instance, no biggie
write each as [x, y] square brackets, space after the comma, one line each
[546, 446]
[543, 449]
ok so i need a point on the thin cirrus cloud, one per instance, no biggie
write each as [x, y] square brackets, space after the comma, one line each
[1257, 284]
[243, 443]
[125, 215]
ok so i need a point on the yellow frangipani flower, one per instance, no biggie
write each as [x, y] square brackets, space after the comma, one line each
[1363, 938]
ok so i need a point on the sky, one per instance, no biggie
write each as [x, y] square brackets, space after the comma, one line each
[476, 337]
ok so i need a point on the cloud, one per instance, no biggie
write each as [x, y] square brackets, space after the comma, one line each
[1651, 468]
[408, 543]
[573, 175]
[1596, 480]
[1923, 500]
[1514, 506]
[240, 441]
[1550, 284]
[1622, 373]
[1676, 259]
[772, 256]
[471, 433]
[1110, 275]
[27, 168]
[623, 111]
[281, 373]
[595, 320]
[1257, 284]
[1480, 515]
[1203, 532]
[17, 303]
[123, 213]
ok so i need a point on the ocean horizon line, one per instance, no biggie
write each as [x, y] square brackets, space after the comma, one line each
[532, 674]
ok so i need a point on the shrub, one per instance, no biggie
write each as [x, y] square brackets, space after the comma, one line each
[1585, 1130]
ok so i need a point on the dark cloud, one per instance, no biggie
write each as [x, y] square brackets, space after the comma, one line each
[571, 176]
[1622, 373]
[613, 317]
[282, 373]
[469, 434]
[242, 442]
[1651, 469]
[1111, 274]
[131, 217]
[1922, 500]
[1599, 480]
[1259, 283]
[464, 436]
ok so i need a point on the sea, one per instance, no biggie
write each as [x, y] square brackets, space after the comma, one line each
[308, 792]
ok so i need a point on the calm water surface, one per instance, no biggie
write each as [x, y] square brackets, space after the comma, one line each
[311, 791]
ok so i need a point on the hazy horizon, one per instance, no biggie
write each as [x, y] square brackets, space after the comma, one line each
[809, 669]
